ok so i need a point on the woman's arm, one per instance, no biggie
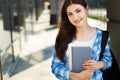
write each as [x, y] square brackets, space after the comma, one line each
[59, 69]
[103, 64]
[61, 72]
[107, 58]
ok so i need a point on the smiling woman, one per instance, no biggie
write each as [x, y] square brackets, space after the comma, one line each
[75, 30]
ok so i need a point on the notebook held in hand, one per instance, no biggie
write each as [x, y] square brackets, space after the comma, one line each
[79, 55]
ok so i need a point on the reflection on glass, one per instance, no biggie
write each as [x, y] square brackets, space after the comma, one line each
[16, 48]
[6, 61]
[5, 39]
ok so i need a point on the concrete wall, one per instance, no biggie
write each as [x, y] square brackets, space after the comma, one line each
[114, 26]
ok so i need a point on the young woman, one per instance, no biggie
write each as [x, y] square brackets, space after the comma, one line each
[74, 29]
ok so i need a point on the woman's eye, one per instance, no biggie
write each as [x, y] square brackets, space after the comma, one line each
[69, 14]
[78, 11]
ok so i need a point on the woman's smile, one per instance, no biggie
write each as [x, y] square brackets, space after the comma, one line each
[78, 21]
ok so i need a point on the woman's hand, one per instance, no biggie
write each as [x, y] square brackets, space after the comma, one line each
[93, 65]
[83, 75]
[90, 66]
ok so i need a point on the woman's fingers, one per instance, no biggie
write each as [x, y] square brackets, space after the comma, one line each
[89, 64]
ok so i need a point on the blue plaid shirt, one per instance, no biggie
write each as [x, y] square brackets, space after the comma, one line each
[61, 71]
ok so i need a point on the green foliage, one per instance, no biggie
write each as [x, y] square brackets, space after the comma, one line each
[99, 14]
[98, 17]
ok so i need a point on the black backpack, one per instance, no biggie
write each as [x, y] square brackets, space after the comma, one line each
[112, 73]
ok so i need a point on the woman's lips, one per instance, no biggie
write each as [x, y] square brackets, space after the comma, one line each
[77, 21]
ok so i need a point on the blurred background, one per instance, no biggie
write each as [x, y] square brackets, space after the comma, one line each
[28, 29]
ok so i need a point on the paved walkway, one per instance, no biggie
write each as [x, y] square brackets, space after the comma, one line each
[35, 59]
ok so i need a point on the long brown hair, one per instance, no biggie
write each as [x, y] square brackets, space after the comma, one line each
[66, 30]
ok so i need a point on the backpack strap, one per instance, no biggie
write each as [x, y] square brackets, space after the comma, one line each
[105, 35]
[113, 73]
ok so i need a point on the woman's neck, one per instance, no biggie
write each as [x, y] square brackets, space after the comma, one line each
[85, 33]
[83, 30]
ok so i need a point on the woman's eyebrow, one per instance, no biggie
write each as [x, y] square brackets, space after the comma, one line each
[77, 9]
[69, 12]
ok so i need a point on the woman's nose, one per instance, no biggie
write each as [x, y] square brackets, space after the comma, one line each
[75, 17]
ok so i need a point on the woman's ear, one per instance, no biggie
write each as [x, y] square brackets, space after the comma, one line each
[87, 9]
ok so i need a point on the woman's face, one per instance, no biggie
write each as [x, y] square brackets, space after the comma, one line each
[77, 14]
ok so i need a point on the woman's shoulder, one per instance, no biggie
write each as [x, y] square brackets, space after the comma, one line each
[99, 30]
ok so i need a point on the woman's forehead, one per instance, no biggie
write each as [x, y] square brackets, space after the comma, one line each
[73, 7]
